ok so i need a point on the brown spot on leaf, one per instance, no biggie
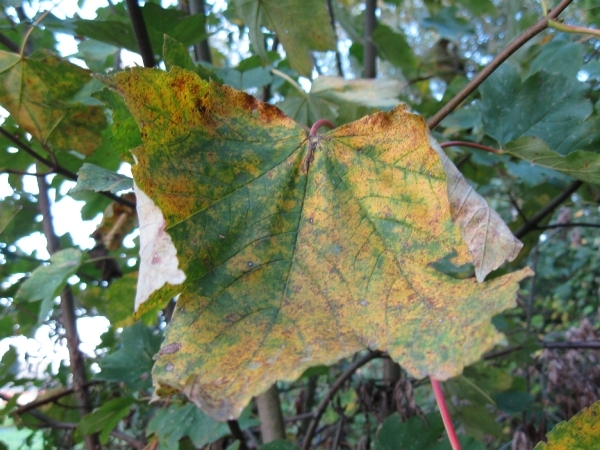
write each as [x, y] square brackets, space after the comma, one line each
[169, 349]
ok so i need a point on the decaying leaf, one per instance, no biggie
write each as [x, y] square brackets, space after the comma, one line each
[38, 93]
[582, 432]
[489, 239]
[289, 250]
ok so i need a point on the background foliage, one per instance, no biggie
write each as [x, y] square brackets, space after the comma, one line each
[527, 139]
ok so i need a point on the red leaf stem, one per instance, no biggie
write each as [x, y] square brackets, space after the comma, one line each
[439, 397]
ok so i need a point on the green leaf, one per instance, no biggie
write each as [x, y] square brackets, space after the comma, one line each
[479, 7]
[559, 56]
[117, 31]
[300, 26]
[414, 434]
[133, 362]
[584, 166]
[448, 25]
[47, 281]
[479, 422]
[126, 133]
[38, 92]
[547, 106]
[514, 402]
[105, 418]
[97, 179]
[582, 432]
[176, 422]
[7, 213]
[394, 47]
[177, 54]
[280, 444]
[270, 244]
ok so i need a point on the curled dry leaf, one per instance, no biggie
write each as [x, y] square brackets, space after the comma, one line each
[294, 251]
[489, 239]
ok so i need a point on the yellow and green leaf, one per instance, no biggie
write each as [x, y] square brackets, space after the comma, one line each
[582, 432]
[289, 250]
[38, 93]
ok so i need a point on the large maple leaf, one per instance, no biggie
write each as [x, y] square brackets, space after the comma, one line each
[290, 250]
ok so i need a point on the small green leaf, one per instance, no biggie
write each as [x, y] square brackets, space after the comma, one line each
[414, 434]
[105, 418]
[133, 362]
[98, 179]
[47, 281]
[582, 432]
[176, 422]
[582, 165]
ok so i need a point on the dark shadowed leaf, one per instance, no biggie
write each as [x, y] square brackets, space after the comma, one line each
[547, 106]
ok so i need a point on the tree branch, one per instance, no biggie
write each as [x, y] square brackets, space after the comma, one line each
[568, 225]
[338, 57]
[574, 344]
[370, 53]
[517, 43]
[201, 50]
[50, 398]
[332, 391]
[547, 210]
[57, 168]
[9, 44]
[141, 32]
[134, 443]
[237, 433]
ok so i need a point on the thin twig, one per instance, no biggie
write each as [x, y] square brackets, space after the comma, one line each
[57, 168]
[548, 209]
[574, 344]
[336, 386]
[338, 57]
[50, 398]
[370, 51]
[568, 225]
[502, 352]
[472, 145]
[54, 424]
[141, 33]
[517, 43]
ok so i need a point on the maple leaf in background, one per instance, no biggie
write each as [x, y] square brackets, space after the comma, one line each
[291, 250]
